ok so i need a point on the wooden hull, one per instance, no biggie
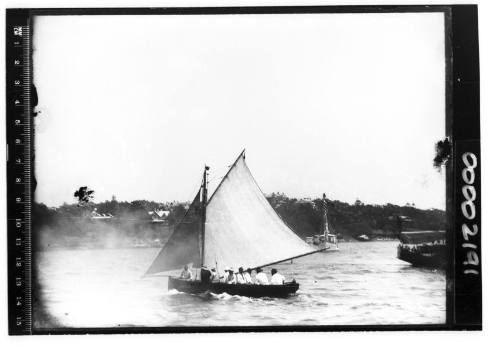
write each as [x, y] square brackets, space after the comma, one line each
[433, 258]
[249, 290]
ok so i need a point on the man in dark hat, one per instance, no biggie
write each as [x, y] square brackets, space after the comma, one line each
[240, 277]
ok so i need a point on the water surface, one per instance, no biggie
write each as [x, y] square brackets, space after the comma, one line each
[363, 283]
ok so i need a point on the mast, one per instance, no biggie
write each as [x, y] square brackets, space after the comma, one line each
[325, 217]
[203, 214]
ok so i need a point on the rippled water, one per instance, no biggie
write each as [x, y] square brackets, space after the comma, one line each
[363, 283]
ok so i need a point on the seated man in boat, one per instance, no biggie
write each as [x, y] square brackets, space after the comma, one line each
[214, 277]
[240, 276]
[261, 277]
[205, 274]
[223, 278]
[277, 278]
[231, 278]
[248, 276]
[186, 273]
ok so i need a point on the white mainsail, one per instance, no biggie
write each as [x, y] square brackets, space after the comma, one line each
[241, 229]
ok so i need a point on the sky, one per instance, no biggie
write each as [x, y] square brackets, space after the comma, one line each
[346, 104]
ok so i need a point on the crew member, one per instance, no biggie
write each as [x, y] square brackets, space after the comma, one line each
[205, 274]
[261, 277]
[214, 277]
[277, 278]
[240, 277]
[186, 273]
[231, 278]
[248, 276]
[226, 274]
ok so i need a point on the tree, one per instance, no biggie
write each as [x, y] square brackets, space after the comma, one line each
[443, 153]
[84, 195]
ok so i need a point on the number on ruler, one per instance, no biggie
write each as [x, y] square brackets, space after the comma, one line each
[18, 31]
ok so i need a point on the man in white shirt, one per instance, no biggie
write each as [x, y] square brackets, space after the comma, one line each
[186, 273]
[231, 279]
[248, 276]
[240, 277]
[277, 278]
[261, 277]
[226, 274]
[214, 277]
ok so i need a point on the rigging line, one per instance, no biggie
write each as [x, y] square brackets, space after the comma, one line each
[298, 256]
[185, 213]
[219, 171]
[193, 194]
[215, 178]
[195, 190]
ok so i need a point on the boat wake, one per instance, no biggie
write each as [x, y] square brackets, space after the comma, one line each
[173, 292]
[229, 297]
[212, 296]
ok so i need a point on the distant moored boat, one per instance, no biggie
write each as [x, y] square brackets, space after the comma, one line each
[326, 240]
[363, 237]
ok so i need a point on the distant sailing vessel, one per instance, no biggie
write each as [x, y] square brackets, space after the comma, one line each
[236, 227]
[325, 241]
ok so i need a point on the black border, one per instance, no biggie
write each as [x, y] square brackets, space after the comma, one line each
[463, 299]
[19, 316]
[466, 307]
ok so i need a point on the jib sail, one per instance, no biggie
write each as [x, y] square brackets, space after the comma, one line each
[183, 245]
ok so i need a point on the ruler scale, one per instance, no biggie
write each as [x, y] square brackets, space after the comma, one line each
[19, 170]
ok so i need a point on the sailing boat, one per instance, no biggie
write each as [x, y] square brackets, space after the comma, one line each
[326, 240]
[236, 227]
